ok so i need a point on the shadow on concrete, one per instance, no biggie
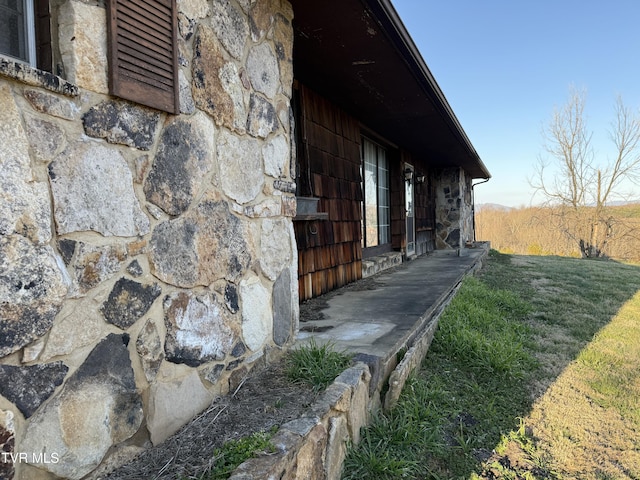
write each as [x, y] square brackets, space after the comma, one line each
[379, 314]
[381, 317]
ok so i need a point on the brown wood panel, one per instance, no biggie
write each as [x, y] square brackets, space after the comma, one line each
[319, 283]
[338, 230]
[313, 139]
[300, 229]
[338, 170]
[320, 258]
[331, 279]
[332, 190]
[344, 191]
[331, 150]
[308, 286]
[143, 52]
[328, 233]
[345, 232]
[308, 261]
[329, 164]
[357, 248]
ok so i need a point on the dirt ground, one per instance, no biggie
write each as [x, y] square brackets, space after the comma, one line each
[266, 399]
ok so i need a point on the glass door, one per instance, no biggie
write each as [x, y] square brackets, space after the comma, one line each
[410, 209]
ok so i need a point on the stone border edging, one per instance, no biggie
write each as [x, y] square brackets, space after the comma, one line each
[315, 445]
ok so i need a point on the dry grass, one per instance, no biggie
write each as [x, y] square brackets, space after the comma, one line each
[588, 421]
[540, 231]
[262, 402]
[585, 420]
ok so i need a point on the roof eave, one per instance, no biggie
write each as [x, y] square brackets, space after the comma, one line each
[386, 13]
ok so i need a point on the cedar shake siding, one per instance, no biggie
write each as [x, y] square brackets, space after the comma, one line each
[329, 250]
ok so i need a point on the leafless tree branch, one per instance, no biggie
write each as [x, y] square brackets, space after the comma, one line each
[582, 188]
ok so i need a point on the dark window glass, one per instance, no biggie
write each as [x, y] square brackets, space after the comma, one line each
[376, 218]
[13, 40]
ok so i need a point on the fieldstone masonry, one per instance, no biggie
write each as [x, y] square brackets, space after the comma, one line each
[7, 442]
[454, 213]
[28, 387]
[182, 160]
[122, 123]
[146, 260]
[92, 188]
[99, 406]
[128, 302]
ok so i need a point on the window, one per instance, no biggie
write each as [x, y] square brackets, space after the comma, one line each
[142, 41]
[25, 32]
[376, 205]
[17, 30]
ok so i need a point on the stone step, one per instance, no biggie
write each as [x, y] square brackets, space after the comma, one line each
[377, 264]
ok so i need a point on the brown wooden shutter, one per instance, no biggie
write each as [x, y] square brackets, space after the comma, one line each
[143, 52]
[43, 35]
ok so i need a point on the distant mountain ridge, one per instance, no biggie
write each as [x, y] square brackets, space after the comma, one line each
[504, 208]
[492, 206]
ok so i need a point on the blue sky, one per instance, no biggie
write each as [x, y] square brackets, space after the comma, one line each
[505, 64]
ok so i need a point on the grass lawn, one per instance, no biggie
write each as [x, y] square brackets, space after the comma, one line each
[534, 372]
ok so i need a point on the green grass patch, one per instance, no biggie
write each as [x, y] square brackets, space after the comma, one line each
[316, 365]
[374, 459]
[562, 331]
[482, 332]
[469, 391]
[233, 453]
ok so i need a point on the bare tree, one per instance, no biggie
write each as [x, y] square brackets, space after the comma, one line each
[582, 187]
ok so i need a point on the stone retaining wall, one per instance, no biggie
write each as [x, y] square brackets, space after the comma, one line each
[147, 260]
[374, 265]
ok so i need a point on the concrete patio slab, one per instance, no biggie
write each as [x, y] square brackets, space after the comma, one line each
[380, 315]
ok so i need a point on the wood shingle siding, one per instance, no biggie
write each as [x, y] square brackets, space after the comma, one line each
[329, 251]
[143, 56]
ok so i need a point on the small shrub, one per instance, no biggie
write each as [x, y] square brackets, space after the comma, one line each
[316, 365]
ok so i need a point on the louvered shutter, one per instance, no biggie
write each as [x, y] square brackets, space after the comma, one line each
[143, 57]
[43, 35]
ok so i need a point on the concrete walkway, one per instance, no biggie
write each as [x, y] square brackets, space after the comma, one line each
[381, 315]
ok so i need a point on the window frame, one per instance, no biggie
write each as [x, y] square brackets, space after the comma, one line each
[145, 80]
[29, 35]
[383, 230]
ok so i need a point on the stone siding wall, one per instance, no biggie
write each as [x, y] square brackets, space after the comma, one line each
[454, 208]
[147, 260]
